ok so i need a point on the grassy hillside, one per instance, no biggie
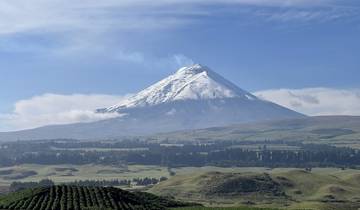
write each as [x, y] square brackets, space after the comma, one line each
[83, 198]
[293, 189]
[334, 130]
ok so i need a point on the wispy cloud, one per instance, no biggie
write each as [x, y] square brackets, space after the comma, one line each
[316, 101]
[315, 15]
[83, 28]
[56, 15]
[77, 26]
[173, 62]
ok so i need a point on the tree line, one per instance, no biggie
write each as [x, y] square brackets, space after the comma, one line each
[216, 153]
[146, 181]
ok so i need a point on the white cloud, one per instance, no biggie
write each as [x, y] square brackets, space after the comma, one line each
[316, 101]
[168, 62]
[51, 109]
[181, 60]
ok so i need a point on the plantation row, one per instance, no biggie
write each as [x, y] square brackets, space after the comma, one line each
[79, 198]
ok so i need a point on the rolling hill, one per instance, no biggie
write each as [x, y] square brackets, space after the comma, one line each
[277, 188]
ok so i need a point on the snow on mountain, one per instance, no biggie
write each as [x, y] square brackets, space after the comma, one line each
[196, 82]
[194, 97]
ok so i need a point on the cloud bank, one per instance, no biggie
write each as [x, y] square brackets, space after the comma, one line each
[50, 109]
[316, 101]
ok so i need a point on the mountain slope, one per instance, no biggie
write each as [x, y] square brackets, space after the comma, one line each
[194, 97]
[334, 130]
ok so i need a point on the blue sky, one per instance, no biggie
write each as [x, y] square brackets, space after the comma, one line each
[113, 48]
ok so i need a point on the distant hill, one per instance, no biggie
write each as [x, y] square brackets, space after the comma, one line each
[321, 189]
[335, 130]
[84, 198]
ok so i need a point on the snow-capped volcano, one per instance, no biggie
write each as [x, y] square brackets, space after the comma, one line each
[193, 97]
[196, 82]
